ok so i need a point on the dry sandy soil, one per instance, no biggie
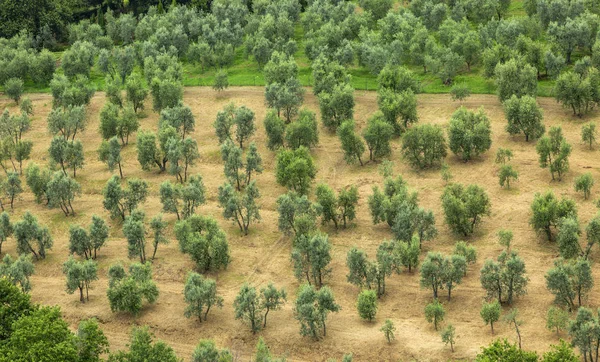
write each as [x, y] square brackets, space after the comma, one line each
[263, 255]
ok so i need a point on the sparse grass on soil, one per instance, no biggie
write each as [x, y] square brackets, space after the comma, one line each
[264, 255]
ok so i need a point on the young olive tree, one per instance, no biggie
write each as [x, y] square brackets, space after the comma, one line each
[388, 330]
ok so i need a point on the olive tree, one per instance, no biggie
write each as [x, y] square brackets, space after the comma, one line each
[283, 90]
[14, 88]
[98, 234]
[62, 190]
[554, 152]
[205, 242]
[396, 97]
[547, 211]
[504, 279]
[513, 78]
[67, 154]
[275, 129]
[490, 313]
[221, 81]
[557, 319]
[506, 174]
[340, 208]
[584, 184]
[589, 134]
[207, 351]
[377, 135]
[336, 106]
[240, 206]
[240, 117]
[126, 292]
[435, 313]
[570, 282]
[312, 309]
[253, 307]
[166, 93]
[424, 145]
[384, 205]
[524, 116]
[200, 295]
[388, 330]
[37, 179]
[367, 304]
[181, 154]
[464, 207]
[158, 226]
[80, 274]
[32, 237]
[6, 228]
[297, 214]
[459, 92]
[183, 200]
[311, 256]
[469, 133]
[12, 187]
[295, 169]
[134, 230]
[110, 153]
[352, 145]
[179, 117]
[136, 92]
[576, 92]
[121, 202]
[581, 329]
[303, 131]
[17, 271]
